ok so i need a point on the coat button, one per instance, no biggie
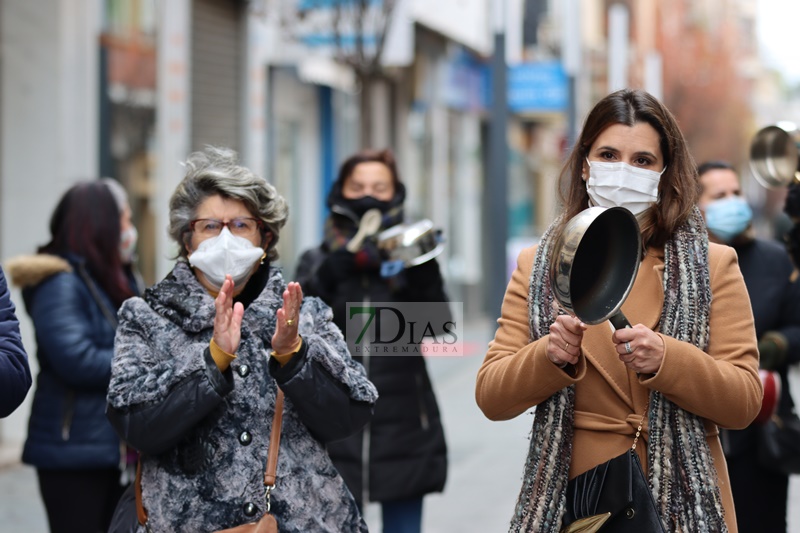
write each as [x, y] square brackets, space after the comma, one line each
[249, 509]
[244, 370]
[245, 438]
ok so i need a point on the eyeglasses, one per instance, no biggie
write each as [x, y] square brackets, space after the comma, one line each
[241, 227]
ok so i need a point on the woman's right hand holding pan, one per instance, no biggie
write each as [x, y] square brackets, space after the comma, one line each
[564, 342]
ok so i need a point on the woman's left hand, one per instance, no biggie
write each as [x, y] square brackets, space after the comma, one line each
[285, 338]
[640, 348]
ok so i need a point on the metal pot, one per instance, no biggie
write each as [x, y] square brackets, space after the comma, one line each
[411, 244]
[594, 264]
[774, 158]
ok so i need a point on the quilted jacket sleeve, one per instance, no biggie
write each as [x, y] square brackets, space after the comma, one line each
[15, 375]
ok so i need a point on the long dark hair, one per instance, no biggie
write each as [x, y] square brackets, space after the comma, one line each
[86, 223]
[679, 187]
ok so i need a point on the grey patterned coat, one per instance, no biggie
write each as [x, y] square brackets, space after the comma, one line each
[203, 433]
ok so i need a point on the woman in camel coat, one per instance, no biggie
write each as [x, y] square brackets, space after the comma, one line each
[690, 360]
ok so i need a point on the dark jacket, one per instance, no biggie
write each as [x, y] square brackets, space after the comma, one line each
[67, 428]
[15, 374]
[404, 448]
[204, 434]
[775, 299]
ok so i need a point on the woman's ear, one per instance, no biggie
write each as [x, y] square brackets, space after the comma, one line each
[187, 245]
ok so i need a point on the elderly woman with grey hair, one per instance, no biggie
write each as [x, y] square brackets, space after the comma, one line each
[199, 361]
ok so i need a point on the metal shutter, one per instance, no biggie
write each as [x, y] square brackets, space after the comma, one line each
[216, 73]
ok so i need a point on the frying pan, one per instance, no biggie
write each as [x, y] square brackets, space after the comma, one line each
[594, 264]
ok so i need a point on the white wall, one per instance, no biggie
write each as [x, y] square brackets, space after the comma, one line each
[49, 124]
[464, 21]
[295, 169]
[173, 125]
[254, 134]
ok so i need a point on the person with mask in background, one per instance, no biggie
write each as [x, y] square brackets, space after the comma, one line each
[15, 374]
[401, 455]
[72, 290]
[687, 365]
[200, 360]
[130, 235]
[760, 494]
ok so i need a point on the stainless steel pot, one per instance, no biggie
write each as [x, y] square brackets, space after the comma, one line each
[411, 244]
[774, 158]
[594, 264]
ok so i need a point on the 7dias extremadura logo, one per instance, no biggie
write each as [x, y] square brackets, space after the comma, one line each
[404, 328]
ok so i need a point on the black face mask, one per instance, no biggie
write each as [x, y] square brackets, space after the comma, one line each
[359, 206]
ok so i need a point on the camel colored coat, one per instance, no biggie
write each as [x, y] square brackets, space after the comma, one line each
[722, 386]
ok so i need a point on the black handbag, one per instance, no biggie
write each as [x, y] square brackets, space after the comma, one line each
[779, 443]
[614, 497]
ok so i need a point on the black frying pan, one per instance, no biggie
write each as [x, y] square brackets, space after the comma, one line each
[594, 264]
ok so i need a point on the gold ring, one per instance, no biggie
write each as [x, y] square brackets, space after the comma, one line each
[566, 347]
[289, 322]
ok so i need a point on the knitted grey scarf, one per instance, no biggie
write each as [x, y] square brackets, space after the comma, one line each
[681, 469]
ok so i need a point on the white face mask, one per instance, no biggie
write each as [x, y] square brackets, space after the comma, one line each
[226, 254]
[127, 244]
[619, 184]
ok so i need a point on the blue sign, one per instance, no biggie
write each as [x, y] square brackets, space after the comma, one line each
[538, 87]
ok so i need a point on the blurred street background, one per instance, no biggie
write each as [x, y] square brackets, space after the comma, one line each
[479, 99]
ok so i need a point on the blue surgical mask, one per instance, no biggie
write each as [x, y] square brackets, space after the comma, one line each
[728, 218]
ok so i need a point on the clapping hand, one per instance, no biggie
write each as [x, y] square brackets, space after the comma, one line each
[228, 320]
[285, 339]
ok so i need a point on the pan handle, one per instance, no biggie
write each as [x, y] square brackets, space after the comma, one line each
[619, 321]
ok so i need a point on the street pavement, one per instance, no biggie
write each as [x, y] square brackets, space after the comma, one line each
[485, 460]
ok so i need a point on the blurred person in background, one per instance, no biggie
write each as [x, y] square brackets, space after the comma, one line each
[200, 360]
[760, 494]
[401, 455]
[72, 290]
[688, 364]
[15, 374]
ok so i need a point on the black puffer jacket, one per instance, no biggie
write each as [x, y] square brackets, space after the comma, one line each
[404, 448]
[67, 428]
[15, 374]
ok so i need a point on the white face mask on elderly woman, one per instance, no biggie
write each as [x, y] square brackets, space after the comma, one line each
[225, 254]
[619, 184]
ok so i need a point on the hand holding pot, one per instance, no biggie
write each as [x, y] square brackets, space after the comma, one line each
[640, 348]
[564, 343]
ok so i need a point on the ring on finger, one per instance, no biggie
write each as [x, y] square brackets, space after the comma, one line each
[628, 348]
[566, 347]
[290, 321]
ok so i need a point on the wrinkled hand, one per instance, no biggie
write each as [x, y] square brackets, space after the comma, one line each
[228, 318]
[564, 342]
[285, 337]
[646, 348]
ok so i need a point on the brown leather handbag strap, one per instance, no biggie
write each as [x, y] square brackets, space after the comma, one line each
[269, 474]
[141, 513]
[274, 442]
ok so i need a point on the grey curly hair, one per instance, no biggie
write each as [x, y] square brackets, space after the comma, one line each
[216, 171]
